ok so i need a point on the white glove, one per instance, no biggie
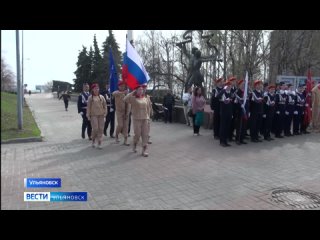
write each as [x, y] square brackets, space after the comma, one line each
[264, 115]
[81, 113]
[111, 109]
[277, 112]
[295, 112]
[287, 113]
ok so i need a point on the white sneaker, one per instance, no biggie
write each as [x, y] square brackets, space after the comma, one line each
[99, 147]
[93, 145]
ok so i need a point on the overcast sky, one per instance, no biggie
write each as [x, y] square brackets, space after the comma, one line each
[53, 54]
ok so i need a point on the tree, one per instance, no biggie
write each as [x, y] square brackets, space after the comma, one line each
[7, 77]
[48, 86]
[97, 64]
[110, 42]
[83, 72]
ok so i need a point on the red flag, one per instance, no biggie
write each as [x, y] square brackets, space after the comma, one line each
[307, 110]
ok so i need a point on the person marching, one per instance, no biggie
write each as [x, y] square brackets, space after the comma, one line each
[298, 114]
[66, 97]
[111, 111]
[140, 109]
[289, 111]
[96, 113]
[122, 112]
[281, 99]
[215, 107]
[225, 98]
[256, 111]
[269, 109]
[241, 115]
[82, 110]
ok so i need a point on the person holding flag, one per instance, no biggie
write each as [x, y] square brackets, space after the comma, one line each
[137, 78]
[307, 110]
[241, 112]
[316, 108]
[122, 112]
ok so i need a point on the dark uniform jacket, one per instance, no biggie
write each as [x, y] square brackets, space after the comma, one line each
[82, 102]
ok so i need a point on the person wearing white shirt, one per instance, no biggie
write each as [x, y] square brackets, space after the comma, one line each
[187, 105]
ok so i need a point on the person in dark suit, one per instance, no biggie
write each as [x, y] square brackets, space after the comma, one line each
[281, 99]
[269, 109]
[215, 107]
[225, 98]
[82, 110]
[241, 113]
[256, 111]
[111, 111]
[168, 103]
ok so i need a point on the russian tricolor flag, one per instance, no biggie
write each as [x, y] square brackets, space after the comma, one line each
[137, 74]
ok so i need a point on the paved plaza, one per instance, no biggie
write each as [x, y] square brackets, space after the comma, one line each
[182, 171]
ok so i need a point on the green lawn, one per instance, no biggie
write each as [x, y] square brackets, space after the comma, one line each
[9, 119]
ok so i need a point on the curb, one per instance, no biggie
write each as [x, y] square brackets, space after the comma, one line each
[22, 140]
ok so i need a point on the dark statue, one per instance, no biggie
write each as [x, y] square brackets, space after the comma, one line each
[194, 76]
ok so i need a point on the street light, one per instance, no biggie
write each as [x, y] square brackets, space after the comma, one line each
[19, 93]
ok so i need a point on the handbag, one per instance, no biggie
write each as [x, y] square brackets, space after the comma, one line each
[190, 114]
[199, 118]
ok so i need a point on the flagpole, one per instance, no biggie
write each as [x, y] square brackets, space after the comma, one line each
[130, 36]
[243, 106]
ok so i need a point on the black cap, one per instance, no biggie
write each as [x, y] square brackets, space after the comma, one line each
[281, 83]
[289, 84]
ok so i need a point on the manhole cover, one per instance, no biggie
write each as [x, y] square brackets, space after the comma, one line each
[296, 198]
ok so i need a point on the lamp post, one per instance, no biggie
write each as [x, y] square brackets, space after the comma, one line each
[19, 93]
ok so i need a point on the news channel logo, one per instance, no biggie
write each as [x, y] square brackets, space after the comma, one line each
[55, 196]
[42, 182]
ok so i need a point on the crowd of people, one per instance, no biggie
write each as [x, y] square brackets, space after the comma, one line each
[99, 108]
[265, 109]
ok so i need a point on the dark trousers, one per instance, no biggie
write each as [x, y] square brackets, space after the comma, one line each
[66, 104]
[287, 123]
[256, 119]
[298, 125]
[241, 128]
[263, 125]
[168, 114]
[129, 123]
[268, 125]
[232, 123]
[216, 123]
[86, 124]
[109, 119]
[196, 129]
[225, 125]
[279, 123]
